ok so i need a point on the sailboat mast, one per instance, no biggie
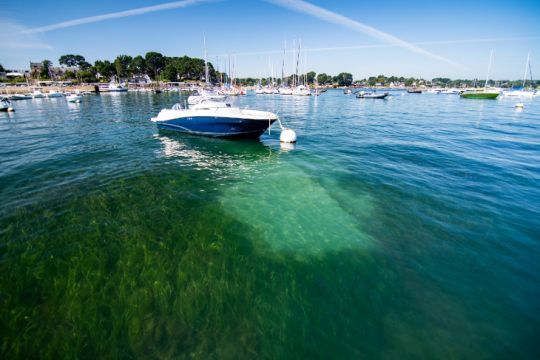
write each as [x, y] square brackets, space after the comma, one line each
[205, 62]
[293, 57]
[526, 68]
[272, 74]
[489, 68]
[283, 63]
[297, 59]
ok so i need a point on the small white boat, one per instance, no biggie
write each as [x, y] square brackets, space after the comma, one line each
[74, 98]
[5, 105]
[206, 95]
[37, 94]
[115, 86]
[20, 97]
[54, 94]
[371, 95]
[302, 90]
[285, 91]
[522, 92]
[519, 93]
[450, 92]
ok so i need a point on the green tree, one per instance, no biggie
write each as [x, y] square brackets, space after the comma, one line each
[344, 79]
[138, 65]
[69, 75]
[87, 76]
[170, 72]
[410, 81]
[46, 64]
[84, 65]
[2, 68]
[71, 60]
[323, 78]
[310, 77]
[155, 62]
[122, 65]
[105, 68]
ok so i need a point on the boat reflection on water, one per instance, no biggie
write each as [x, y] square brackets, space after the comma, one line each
[287, 146]
[213, 154]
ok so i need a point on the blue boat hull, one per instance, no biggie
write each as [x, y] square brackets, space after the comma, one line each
[217, 126]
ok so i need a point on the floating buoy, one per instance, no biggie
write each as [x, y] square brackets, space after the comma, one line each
[520, 105]
[287, 136]
[10, 109]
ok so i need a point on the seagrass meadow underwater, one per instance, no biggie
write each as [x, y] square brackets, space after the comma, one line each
[400, 228]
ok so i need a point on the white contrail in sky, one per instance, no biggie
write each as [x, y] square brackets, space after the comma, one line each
[116, 15]
[332, 17]
[12, 37]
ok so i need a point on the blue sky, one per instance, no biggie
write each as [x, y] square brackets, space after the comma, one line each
[409, 38]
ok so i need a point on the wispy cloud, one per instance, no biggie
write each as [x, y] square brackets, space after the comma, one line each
[116, 15]
[441, 42]
[12, 36]
[377, 46]
[332, 17]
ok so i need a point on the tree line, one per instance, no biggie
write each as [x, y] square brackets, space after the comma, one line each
[152, 64]
[185, 68]
[440, 82]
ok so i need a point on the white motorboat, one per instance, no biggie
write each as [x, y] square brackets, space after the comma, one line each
[522, 92]
[371, 95]
[206, 95]
[115, 86]
[215, 119]
[54, 94]
[20, 97]
[74, 98]
[285, 91]
[519, 93]
[302, 90]
[37, 94]
[450, 92]
[5, 105]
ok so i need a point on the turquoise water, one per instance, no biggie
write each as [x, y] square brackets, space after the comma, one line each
[404, 228]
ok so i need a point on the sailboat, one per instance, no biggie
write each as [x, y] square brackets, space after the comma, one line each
[483, 93]
[284, 89]
[522, 92]
[301, 89]
[207, 93]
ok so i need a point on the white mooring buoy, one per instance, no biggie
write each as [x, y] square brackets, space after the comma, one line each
[520, 105]
[287, 136]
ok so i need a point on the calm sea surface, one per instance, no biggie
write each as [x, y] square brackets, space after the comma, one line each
[404, 228]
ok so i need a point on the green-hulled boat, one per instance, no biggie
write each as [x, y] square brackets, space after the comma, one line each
[485, 92]
[480, 94]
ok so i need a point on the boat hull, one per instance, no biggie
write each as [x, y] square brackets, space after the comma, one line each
[372, 96]
[480, 95]
[211, 126]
